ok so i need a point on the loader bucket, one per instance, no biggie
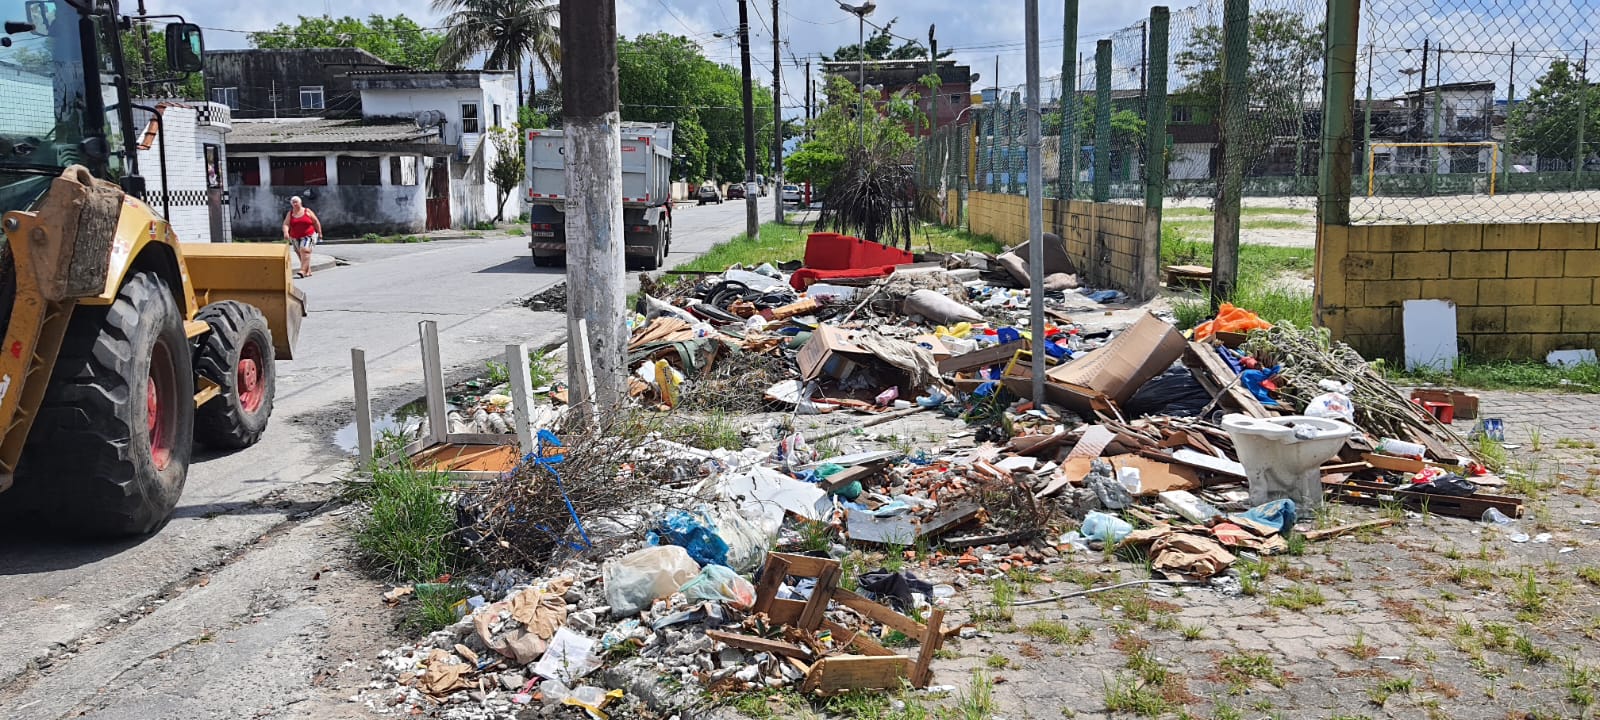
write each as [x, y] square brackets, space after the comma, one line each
[254, 273]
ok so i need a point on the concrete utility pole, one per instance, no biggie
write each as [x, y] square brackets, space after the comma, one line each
[777, 120]
[593, 148]
[933, 92]
[810, 97]
[1035, 205]
[1338, 94]
[752, 215]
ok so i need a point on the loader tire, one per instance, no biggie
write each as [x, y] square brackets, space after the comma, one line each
[109, 451]
[237, 355]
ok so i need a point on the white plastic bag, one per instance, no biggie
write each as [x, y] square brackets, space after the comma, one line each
[640, 578]
[570, 657]
[1334, 403]
[748, 539]
[721, 584]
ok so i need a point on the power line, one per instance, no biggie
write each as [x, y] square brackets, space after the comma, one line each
[674, 15]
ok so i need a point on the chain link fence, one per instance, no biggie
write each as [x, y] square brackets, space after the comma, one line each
[1477, 111]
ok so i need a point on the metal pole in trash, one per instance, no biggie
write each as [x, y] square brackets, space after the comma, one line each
[1035, 206]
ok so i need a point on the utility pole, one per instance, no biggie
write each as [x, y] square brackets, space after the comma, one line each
[752, 214]
[1438, 114]
[777, 119]
[933, 90]
[810, 97]
[1035, 204]
[148, 70]
[593, 147]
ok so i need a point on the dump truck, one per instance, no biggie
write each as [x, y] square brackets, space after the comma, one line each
[124, 347]
[646, 194]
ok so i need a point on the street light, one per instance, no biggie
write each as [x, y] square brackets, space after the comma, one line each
[861, 12]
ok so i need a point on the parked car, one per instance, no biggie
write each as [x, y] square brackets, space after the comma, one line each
[736, 191]
[791, 194]
[708, 194]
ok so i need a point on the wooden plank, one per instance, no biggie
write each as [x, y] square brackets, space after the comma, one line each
[981, 358]
[1220, 380]
[827, 582]
[833, 675]
[756, 644]
[848, 475]
[861, 641]
[879, 613]
[922, 671]
[786, 612]
[1357, 492]
[804, 565]
[771, 577]
[1315, 535]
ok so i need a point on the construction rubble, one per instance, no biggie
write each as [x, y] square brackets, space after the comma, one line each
[652, 575]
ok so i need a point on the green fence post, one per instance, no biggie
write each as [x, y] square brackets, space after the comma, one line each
[1014, 124]
[1067, 157]
[1338, 96]
[1102, 121]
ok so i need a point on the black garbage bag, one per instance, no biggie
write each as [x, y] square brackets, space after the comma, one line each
[1174, 392]
[1450, 484]
[896, 588]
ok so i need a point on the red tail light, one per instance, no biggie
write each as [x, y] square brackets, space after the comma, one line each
[543, 226]
[642, 228]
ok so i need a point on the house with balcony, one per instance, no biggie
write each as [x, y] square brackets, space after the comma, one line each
[416, 156]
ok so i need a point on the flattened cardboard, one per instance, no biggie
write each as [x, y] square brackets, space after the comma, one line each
[1116, 370]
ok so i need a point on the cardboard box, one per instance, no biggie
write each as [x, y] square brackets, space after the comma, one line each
[831, 353]
[1117, 369]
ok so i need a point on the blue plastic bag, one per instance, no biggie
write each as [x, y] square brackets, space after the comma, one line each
[1105, 528]
[1278, 514]
[693, 533]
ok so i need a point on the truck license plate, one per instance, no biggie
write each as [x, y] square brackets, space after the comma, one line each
[544, 233]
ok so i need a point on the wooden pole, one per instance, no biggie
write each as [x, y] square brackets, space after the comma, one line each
[1102, 121]
[593, 148]
[1155, 164]
[1067, 156]
[358, 373]
[1235, 69]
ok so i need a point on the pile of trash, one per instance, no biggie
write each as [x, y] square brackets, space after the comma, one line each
[1181, 450]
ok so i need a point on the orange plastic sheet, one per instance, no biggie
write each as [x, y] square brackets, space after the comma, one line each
[1230, 319]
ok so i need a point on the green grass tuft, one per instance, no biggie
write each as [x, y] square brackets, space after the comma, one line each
[407, 534]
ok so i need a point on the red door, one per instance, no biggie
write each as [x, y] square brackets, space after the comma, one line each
[439, 196]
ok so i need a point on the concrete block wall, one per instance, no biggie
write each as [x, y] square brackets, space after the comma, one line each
[1103, 239]
[1520, 290]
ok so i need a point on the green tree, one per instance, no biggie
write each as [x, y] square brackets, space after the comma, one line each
[509, 166]
[1546, 123]
[397, 40]
[835, 132]
[880, 46]
[667, 78]
[507, 33]
[156, 80]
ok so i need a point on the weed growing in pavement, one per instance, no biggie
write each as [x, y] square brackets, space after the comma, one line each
[1475, 577]
[1164, 621]
[1125, 693]
[1388, 687]
[997, 661]
[1058, 632]
[407, 535]
[1531, 654]
[1223, 711]
[1298, 598]
[1493, 453]
[541, 368]
[1192, 632]
[1581, 682]
[434, 608]
[1004, 595]
[1589, 574]
[1496, 635]
[978, 702]
[815, 536]
[1241, 668]
[1081, 578]
[1297, 544]
[710, 432]
[1528, 598]
[498, 373]
[1025, 579]
[1358, 647]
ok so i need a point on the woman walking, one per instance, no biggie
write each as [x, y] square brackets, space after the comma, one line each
[302, 228]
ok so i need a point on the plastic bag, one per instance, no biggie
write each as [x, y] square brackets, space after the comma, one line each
[940, 309]
[570, 657]
[1450, 484]
[638, 579]
[719, 583]
[748, 538]
[693, 532]
[1174, 392]
[1335, 403]
[1105, 528]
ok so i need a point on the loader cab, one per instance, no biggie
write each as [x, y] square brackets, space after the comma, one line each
[66, 93]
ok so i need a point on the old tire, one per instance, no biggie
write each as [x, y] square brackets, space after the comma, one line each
[236, 355]
[548, 261]
[109, 451]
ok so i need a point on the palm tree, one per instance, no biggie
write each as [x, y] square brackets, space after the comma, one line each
[506, 32]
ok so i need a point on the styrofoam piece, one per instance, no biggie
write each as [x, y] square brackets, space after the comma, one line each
[1430, 334]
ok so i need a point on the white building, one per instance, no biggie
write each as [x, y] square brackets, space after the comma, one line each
[418, 159]
[194, 192]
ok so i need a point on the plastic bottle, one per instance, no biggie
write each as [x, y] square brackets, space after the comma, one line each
[1493, 515]
[1400, 448]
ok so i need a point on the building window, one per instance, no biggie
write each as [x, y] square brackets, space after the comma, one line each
[244, 171]
[955, 99]
[311, 97]
[469, 118]
[1181, 114]
[497, 115]
[226, 96]
[299, 171]
[359, 171]
[403, 170]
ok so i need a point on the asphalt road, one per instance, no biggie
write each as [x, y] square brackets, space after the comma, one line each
[212, 615]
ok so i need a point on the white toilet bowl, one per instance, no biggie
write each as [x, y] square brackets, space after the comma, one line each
[1282, 455]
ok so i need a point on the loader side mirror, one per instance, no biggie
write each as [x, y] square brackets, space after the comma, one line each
[186, 48]
[41, 14]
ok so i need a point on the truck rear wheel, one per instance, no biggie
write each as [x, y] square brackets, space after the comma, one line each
[110, 448]
[237, 355]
